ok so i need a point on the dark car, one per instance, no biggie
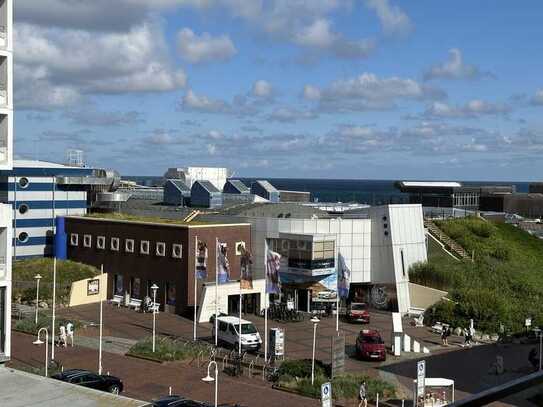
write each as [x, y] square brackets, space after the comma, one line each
[358, 312]
[370, 345]
[180, 401]
[87, 378]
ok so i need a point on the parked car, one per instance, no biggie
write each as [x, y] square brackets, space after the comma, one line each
[370, 345]
[326, 295]
[358, 312]
[180, 401]
[228, 333]
[90, 379]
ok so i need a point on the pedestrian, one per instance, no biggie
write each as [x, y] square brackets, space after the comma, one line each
[70, 332]
[471, 333]
[467, 337]
[447, 334]
[62, 336]
[362, 395]
[444, 336]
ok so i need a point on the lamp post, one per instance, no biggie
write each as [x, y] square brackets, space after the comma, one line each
[39, 342]
[54, 306]
[209, 379]
[37, 277]
[539, 333]
[315, 321]
[154, 287]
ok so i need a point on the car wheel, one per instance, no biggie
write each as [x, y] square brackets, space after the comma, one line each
[114, 389]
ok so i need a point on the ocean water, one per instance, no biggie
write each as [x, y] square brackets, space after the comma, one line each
[372, 192]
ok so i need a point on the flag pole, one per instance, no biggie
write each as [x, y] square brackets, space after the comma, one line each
[54, 308]
[265, 301]
[337, 277]
[216, 289]
[240, 301]
[195, 283]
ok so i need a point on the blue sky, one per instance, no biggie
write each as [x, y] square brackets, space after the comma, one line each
[284, 88]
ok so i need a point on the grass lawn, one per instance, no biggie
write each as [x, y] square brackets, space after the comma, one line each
[24, 286]
[168, 349]
[150, 219]
[503, 286]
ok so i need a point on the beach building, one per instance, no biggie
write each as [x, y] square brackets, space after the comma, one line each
[217, 176]
[265, 190]
[204, 194]
[6, 164]
[176, 192]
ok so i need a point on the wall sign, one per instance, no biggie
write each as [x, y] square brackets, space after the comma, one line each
[93, 287]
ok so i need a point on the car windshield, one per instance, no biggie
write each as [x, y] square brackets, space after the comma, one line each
[371, 339]
[248, 329]
[358, 307]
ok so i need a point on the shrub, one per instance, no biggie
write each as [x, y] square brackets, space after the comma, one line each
[302, 368]
[28, 325]
[168, 349]
[430, 275]
[480, 228]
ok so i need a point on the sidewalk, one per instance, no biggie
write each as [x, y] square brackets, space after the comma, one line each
[147, 380]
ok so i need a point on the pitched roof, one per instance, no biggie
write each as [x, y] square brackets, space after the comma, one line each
[266, 185]
[238, 185]
[179, 184]
[207, 185]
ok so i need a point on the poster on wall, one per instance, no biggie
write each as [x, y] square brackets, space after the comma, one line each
[93, 287]
[136, 288]
[246, 269]
[119, 289]
[171, 294]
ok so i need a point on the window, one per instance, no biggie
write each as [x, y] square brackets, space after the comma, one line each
[87, 241]
[23, 208]
[23, 182]
[240, 246]
[101, 242]
[144, 247]
[115, 244]
[177, 251]
[74, 239]
[160, 249]
[23, 237]
[129, 245]
[223, 326]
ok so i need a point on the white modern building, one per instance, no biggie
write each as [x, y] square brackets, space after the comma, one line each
[216, 175]
[378, 250]
[6, 163]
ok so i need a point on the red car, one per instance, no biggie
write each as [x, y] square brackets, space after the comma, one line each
[370, 345]
[358, 312]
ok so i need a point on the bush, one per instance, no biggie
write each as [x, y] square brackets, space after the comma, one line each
[480, 228]
[168, 349]
[343, 387]
[430, 275]
[29, 326]
[302, 368]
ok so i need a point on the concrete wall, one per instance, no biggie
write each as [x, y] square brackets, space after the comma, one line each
[79, 291]
[424, 297]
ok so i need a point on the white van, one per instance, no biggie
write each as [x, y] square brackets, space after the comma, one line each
[228, 333]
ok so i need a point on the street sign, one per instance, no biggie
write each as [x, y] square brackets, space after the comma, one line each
[338, 355]
[421, 377]
[528, 322]
[326, 394]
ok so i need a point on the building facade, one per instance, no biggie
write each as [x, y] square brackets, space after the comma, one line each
[138, 254]
[6, 163]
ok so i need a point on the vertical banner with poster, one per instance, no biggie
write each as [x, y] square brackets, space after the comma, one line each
[201, 260]
[273, 283]
[343, 278]
[223, 265]
[421, 378]
[246, 270]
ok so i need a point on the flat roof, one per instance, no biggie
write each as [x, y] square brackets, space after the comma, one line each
[21, 389]
[431, 184]
[233, 320]
[122, 217]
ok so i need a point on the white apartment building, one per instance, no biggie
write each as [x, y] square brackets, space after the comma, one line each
[6, 163]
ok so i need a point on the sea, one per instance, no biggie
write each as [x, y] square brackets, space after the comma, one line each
[371, 192]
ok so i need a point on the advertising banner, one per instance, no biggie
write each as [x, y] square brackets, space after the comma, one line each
[223, 265]
[273, 265]
[201, 260]
[343, 278]
[246, 270]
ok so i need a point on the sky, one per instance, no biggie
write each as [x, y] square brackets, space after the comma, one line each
[365, 89]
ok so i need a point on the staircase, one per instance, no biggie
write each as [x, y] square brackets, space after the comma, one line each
[446, 240]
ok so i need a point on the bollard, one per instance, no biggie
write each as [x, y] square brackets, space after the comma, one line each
[403, 403]
[170, 391]
[377, 400]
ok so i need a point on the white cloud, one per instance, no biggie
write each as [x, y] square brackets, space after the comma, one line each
[393, 20]
[455, 68]
[290, 115]
[472, 109]
[370, 92]
[317, 35]
[311, 92]
[262, 89]
[537, 99]
[64, 64]
[240, 105]
[204, 48]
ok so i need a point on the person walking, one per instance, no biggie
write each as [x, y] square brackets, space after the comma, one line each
[62, 336]
[444, 336]
[70, 332]
[362, 395]
[447, 334]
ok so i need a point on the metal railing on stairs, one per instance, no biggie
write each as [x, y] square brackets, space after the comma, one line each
[450, 243]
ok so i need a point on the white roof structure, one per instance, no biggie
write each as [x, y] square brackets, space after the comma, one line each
[429, 184]
[233, 320]
[38, 164]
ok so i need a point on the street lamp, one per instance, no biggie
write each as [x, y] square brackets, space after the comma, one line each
[540, 335]
[154, 287]
[39, 342]
[209, 378]
[315, 321]
[37, 277]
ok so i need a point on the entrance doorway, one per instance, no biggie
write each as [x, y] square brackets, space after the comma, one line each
[250, 304]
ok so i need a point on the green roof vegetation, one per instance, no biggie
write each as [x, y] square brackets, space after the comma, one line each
[150, 219]
[504, 284]
[24, 284]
